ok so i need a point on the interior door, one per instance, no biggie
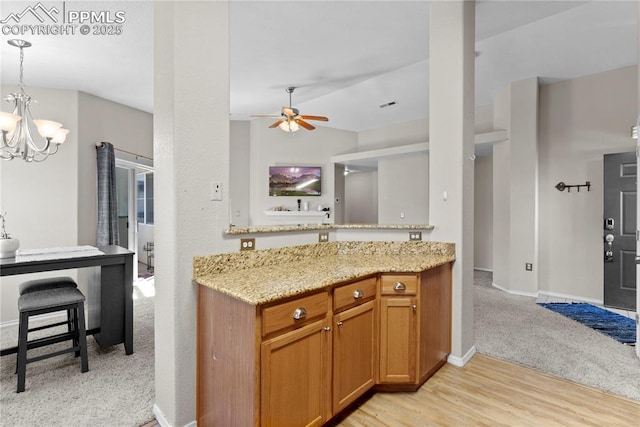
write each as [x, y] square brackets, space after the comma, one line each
[619, 234]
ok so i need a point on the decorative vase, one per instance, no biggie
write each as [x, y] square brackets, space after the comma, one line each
[8, 247]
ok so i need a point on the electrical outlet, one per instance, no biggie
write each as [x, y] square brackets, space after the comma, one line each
[247, 244]
[323, 236]
[415, 235]
[528, 266]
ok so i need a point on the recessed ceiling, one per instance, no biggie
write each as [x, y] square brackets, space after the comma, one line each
[346, 58]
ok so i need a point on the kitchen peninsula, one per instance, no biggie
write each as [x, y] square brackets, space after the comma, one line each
[292, 336]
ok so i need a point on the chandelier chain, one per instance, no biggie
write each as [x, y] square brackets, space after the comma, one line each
[21, 70]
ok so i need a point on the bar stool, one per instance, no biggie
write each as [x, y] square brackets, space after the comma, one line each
[44, 284]
[50, 301]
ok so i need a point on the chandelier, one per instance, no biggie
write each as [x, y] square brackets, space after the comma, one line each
[17, 128]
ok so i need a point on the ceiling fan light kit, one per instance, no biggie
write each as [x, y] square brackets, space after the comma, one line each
[290, 118]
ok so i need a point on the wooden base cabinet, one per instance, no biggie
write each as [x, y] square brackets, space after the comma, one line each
[415, 327]
[354, 354]
[296, 377]
[301, 361]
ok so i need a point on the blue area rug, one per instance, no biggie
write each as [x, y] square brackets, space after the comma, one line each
[620, 328]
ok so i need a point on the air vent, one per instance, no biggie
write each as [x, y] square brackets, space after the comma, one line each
[388, 104]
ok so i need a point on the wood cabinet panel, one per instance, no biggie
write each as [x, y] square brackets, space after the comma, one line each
[296, 377]
[435, 320]
[354, 293]
[284, 315]
[398, 345]
[354, 354]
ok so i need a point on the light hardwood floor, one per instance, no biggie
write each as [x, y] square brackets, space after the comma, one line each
[490, 392]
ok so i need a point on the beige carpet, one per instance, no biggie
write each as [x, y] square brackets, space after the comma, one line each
[117, 391]
[516, 329]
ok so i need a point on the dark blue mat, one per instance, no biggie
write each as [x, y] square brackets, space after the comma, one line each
[620, 328]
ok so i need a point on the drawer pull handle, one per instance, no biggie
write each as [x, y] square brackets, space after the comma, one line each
[299, 313]
[399, 286]
[357, 294]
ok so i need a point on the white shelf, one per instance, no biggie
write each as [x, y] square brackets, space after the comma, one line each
[297, 217]
[295, 213]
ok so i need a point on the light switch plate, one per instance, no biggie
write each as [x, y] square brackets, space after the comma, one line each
[323, 236]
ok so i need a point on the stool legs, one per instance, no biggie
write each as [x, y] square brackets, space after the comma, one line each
[22, 350]
[76, 325]
[81, 333]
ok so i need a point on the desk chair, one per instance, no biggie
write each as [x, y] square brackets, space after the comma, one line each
[45, 301]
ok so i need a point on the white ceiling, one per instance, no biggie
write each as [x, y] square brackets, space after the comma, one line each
[346, 58]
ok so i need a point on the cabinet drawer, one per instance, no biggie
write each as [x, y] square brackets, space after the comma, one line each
[293, 313]
[399, 284]
[354, 294]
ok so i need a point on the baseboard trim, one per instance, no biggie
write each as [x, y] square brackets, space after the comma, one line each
[461, 361]
[490, 270]
[572, 297]
[162, 419]
[509, 291]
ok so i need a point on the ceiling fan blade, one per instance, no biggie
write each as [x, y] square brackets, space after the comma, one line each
[320, 118]
[304, 124]
[266, 115]
[276, 124]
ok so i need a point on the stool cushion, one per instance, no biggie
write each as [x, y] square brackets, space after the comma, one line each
[48, 283]
[49, 298]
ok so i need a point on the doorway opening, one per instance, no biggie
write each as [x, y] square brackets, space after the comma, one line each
[134, 180]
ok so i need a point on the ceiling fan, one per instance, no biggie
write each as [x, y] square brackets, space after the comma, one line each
[291, 119]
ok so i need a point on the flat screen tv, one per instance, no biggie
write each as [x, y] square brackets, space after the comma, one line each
[295, 181]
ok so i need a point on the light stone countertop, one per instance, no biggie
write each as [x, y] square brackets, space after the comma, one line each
[307, 227]
[260, 277]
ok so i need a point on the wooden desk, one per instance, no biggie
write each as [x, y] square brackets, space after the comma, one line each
[116, 290]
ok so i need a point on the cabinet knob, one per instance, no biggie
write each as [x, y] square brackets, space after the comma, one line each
[340, 324]
[415, 307]
[327, 328]
[299, 313]
[357, 294]
[399, 286]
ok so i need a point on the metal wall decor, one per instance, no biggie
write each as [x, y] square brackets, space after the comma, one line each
[561, 186]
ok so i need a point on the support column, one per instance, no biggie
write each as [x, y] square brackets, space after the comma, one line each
[451, 148]
[191, 150]
[638, 203]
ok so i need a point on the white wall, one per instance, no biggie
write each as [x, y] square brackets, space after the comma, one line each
[240, 171]
[191, 150]
[580, 120]
[403, 190]
[483, 214]
[102, 120]
[273, 147]
[361, 198]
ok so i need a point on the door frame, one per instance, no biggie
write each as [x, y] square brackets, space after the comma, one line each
[134, 165]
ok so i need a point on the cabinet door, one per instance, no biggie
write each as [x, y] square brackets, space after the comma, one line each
[296, 377]
[354, 354]
[398, 346]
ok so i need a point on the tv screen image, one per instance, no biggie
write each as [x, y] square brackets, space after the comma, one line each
[295, 180]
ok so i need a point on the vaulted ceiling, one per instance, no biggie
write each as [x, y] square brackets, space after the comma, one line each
[346, 58]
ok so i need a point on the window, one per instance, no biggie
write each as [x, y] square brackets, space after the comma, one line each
[144, 197]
